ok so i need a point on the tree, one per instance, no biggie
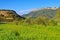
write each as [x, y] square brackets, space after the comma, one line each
[52, 22]
[28, 21]
[57, 16]
[42, 20]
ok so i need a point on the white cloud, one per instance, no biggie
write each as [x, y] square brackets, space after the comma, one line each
[27, 11]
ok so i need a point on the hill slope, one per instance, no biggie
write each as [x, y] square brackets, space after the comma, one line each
[9, 15]
[48, 12]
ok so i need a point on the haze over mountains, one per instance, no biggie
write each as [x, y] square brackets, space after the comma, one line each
[21, 12]
[48, 12]
[11, 15]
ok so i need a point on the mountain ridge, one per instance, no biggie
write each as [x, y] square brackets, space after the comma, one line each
[50, 12]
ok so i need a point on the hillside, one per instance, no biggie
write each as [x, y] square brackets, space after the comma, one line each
[9, 15]
[48, 12]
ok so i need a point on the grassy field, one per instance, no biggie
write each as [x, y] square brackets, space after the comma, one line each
[29, 32]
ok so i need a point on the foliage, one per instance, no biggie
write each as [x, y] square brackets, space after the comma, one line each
[57, 16]
[53, 22]
[28, 21]
[42, 20]
[12, 31]
[40, 28]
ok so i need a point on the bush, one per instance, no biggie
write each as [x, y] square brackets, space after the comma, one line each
[53, 22]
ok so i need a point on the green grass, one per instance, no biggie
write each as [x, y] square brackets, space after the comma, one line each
[29, 32]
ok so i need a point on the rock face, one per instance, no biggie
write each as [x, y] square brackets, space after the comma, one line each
[9, 15]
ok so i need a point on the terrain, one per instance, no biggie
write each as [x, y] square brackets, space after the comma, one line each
[12, 31]
[42, 24]
[49, 12]
[9, 15]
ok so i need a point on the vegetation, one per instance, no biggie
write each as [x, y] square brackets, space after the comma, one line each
[12, 31]
[50, 13]
[57, 16]
[9, 16]
[38, 28]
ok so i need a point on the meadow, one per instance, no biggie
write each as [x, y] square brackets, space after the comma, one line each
[11, 31]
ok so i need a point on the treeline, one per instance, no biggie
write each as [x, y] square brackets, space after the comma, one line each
[40, 20]
[43, 20]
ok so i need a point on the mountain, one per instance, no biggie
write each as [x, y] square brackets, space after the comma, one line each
[49, 12]
[9, 15]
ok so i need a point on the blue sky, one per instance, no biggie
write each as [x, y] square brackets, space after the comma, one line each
[20, 5]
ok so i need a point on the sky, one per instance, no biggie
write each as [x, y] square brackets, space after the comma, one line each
[24, 6]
